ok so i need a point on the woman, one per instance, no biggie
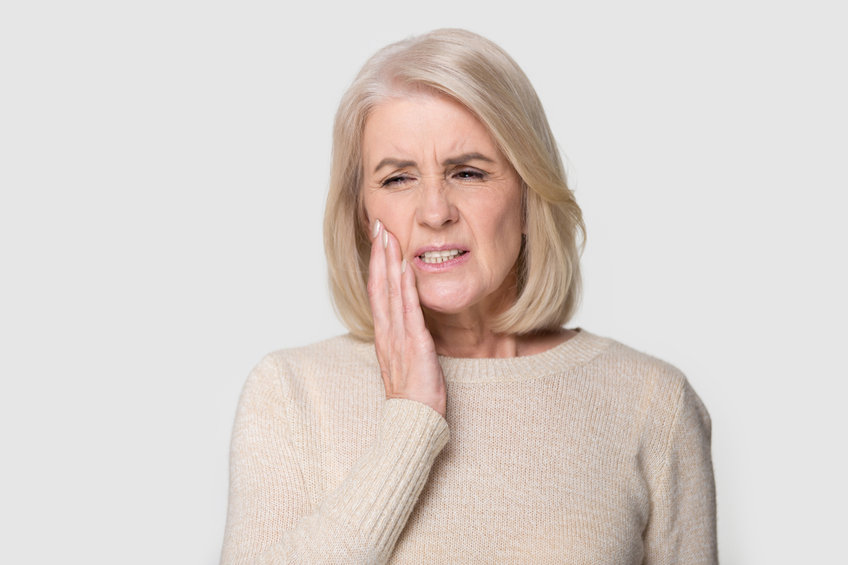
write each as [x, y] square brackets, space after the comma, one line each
[459, 422]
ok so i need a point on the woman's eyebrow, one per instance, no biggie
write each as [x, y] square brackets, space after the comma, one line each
[465, 157]
[396, 163]
[458, 160]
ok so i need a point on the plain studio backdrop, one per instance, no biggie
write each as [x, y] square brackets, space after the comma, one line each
[164, 166]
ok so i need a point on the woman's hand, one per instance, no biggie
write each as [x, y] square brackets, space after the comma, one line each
[405, 349]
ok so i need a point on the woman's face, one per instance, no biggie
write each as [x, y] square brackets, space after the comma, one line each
[436, 179]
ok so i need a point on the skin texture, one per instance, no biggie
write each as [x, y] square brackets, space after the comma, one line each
[436, 201]
[434, 177]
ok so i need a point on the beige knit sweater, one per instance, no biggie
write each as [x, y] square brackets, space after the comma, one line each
[587, 453]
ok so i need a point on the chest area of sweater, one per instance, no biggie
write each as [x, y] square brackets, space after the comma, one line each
[537, 497]
[551, 453]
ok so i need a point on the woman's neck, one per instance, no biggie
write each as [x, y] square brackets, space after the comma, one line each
[466, 337]
[454, 340]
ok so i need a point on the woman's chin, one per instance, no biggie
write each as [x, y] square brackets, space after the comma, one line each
[445, 304]
[442, 310]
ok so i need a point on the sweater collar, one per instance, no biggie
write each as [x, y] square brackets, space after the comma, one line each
[577, 350]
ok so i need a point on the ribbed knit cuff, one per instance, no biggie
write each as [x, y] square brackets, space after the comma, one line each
[389, 480]
[407, 421]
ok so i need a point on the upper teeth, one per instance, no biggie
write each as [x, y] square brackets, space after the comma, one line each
[439, 256]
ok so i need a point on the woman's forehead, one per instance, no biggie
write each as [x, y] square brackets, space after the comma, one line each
[424, 125]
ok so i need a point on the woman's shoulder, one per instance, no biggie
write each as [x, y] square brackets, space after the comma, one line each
[625, 367]
[633, 362]
[661, 387]
[341, 358]
[340, 349]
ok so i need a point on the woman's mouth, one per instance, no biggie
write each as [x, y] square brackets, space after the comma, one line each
[440, 260]
[435, 257]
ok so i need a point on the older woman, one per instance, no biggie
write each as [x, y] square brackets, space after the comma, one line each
[458, 422]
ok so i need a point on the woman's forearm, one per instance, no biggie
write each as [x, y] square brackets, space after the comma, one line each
[359, 521]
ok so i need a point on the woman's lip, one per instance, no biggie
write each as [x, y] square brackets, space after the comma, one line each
[420, 265]
[422, 250]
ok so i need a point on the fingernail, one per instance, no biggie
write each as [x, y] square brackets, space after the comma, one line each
[385, 238]
[403, 266]
[376, 229]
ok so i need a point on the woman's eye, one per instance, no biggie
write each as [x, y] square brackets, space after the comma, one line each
[469, 174]
[395, 180]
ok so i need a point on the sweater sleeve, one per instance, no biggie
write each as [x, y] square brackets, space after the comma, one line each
[270, 519]
[682, 526]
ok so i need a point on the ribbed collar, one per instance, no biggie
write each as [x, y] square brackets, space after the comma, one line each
[577, 350]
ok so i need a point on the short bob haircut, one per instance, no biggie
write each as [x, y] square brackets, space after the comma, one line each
[480, 75]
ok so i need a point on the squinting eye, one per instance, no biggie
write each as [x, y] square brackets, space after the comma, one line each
[394, 181]
[469, 174]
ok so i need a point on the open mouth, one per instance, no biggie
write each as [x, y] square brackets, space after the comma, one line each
[434, 257]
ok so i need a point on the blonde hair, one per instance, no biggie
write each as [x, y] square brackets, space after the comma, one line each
[481, 76]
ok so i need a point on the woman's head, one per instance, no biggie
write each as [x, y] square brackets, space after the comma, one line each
[475, 75]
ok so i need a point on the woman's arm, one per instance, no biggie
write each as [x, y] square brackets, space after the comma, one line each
[682, 526]
[270, 519]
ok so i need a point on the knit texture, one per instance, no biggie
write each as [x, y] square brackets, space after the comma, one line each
[590, 452]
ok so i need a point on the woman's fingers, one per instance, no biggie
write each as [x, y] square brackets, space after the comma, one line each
[378, 299]
[413, 317]
[393, 283]
[377, 278]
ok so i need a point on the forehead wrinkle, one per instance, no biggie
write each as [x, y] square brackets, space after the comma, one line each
[395, 156]
[466, 140]
[461, 151]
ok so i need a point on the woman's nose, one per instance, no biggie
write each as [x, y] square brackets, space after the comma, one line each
[435, 206]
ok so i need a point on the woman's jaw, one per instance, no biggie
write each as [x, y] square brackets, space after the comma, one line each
[461, 326]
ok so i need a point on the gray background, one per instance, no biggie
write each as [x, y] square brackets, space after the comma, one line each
[163, 168]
